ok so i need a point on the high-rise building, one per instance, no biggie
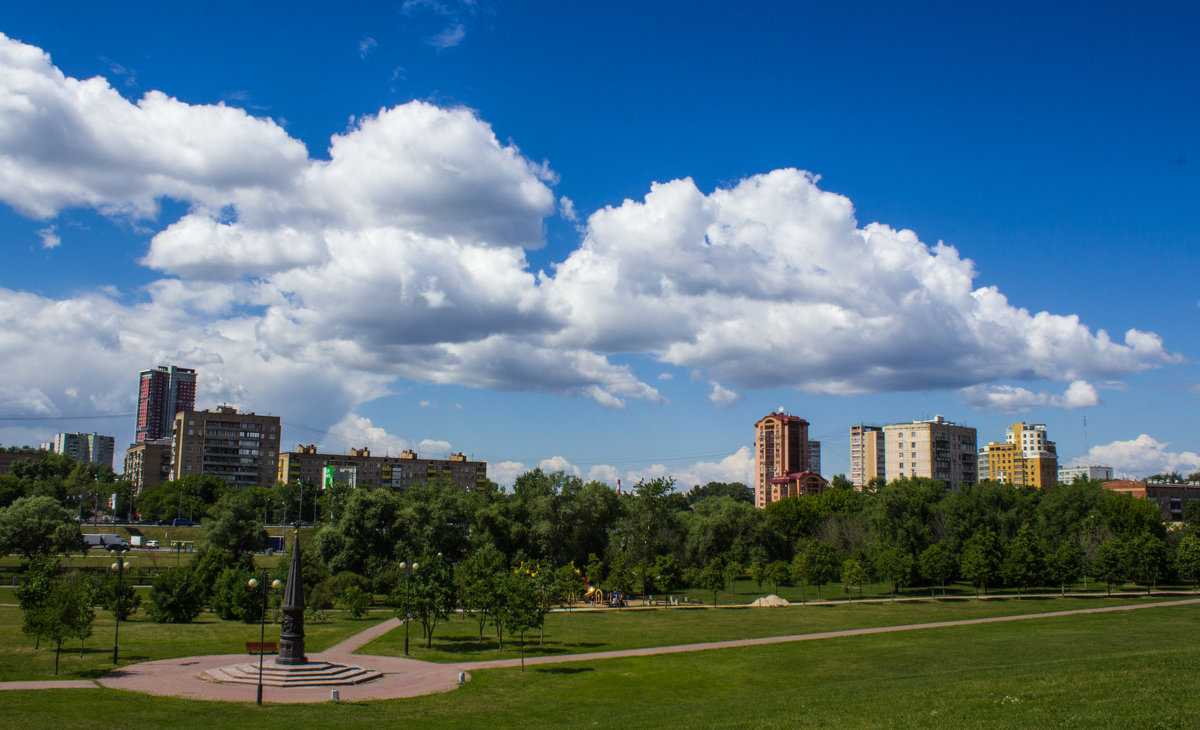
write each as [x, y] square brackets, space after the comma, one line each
[163, 392]
[148, 463]
[241, 448]
[90, 447]
[783, 459]
[1025, 459]
[866, 454]
[360, 469]
[936, 449]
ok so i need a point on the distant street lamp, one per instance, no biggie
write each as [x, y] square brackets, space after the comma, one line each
[262, 631]
[409, 569]
[119, 568]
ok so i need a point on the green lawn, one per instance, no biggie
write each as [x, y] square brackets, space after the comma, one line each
[609, 629]
[1122, 669]
[143, 640]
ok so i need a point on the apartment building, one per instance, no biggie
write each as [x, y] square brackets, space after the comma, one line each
[1025, 459]
[1068, 474]
[936, 449]
[162, 393]
[1170, 497]
[867, 454]
[783, 459]
[148, 463]
[241, 448]
[360, 469]
[89, 447]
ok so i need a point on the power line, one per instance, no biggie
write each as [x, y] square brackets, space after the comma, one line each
[68, 417]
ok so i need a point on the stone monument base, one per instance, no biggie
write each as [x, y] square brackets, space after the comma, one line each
[312, 674]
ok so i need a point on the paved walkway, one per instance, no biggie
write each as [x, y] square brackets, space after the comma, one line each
[410, 678]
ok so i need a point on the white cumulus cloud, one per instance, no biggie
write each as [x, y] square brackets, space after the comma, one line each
[1013, 399]
[1141, 457]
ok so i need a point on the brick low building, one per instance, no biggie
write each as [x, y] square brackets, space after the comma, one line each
[360, 469]
[1171, 497]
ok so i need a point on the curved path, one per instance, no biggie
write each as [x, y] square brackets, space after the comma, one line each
[410, 678]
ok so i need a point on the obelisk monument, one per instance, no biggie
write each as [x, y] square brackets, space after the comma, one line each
[291, 636]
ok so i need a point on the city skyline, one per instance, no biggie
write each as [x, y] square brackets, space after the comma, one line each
[606, 240]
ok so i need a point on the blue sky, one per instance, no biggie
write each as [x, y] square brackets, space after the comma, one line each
[607, 239]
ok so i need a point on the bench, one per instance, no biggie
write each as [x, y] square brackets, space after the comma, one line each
[262, 647]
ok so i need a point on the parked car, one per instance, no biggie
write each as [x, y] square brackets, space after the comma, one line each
[182, 522]
[152, 544]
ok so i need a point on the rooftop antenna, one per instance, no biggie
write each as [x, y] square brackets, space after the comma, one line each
[1085, 448]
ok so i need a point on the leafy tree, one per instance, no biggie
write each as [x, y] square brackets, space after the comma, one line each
[176, 597]
[236, 525]
[369, 535]
[66, 612]
[1187, 558]
[712, 578]
[778, 574]
[981, 559]
[758, 573]
[1111, 562]
[118, 596]
[937, 565]
[570, 582]
[38, 526]
[234, 600]
[895, 564]
[820, 564]
[733, 571]
[1148, 561]
[735, 490]
[1024, 563]
[430, 593]
[520, 610]
[902, 513]
[210, 562]
[1065, 564]
[356, 601]
[1130, 517]
[620, 576]
[35, 588]
[840, 481]
[853, 574]
[666, 573]
[1191, 512]
[477, 580]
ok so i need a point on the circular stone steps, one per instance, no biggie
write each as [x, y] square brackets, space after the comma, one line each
[313, 674]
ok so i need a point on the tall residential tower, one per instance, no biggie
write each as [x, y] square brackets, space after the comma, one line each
[162, 393]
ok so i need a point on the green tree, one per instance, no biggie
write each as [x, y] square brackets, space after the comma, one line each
[35, 588]
[521, 609]
[1149, 561]
[778, 574]
[570, 583]
[234, 600]
[369, 534]
[895, 564]
[1187, 558]
[981, 560]
[853, 574]
[478, 581]
[758, 573]
[431, 593]
[119, 596]
[67, 612]
[937, 565]
[356, 601]
[38, 526]
[1111, 563]
[176, 597]
[820, 564]
[236, 525]
[712, 578]
[1065, 564]
[1024, 563]
[733, 571]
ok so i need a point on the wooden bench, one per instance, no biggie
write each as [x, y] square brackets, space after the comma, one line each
[262, 647]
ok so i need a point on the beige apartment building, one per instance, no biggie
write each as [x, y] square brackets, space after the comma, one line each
[867, 454]
[360, 469]
[935, 449]
[148, 463]
[241, 448]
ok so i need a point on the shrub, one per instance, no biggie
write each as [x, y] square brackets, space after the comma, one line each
[176, 597]
[356, 600]
[233, 599]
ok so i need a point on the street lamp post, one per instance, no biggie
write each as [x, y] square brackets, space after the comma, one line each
[409, 569]
[262, 631]
[120, 566]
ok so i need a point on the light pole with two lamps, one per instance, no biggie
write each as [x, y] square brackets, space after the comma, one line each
[409, 569]
[262, 632]
[119, 568]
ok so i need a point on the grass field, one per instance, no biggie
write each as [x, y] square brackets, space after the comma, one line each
[607, 630]
[143, 640]
[1122, 669]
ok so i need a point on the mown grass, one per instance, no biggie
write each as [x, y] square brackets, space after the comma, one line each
[1121, 669]
[575, 632]
[143, 640]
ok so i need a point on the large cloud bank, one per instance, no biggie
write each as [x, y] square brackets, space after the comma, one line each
[401, 254]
